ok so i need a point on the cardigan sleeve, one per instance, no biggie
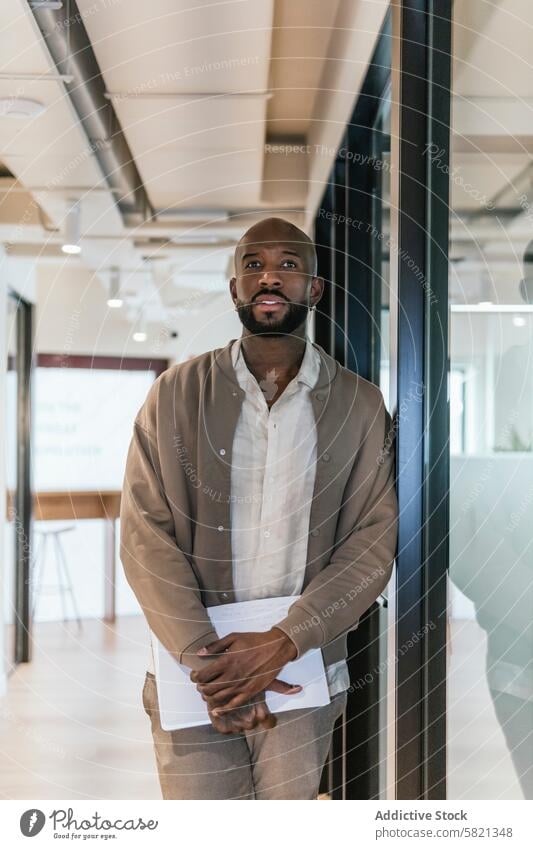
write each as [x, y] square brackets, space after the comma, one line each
[362, 562]
[157, 570]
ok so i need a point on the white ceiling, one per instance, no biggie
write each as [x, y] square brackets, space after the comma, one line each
[493, 94]
[301, 45]
[492, 48]
[492, 154]
[200, 90]
[169, 69]
[204, 92]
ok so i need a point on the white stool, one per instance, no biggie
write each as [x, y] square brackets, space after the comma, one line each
[64, 583]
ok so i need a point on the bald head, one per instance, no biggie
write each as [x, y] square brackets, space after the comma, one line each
[276, 231]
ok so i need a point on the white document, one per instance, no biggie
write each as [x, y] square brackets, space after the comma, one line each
[181, 705]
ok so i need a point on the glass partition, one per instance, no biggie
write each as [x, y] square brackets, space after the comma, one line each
[381, 242]
[381, 234]
[388, 211]
[490, 706]
[10, 425]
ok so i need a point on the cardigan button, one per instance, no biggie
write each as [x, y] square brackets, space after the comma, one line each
[326, 457]
[222, 451]
[221, 527]
[315, 532]
[224, 595]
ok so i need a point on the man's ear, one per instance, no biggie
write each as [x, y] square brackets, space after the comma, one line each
[232, 286]
[317, 290]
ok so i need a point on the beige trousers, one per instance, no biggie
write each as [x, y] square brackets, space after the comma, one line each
[283, 763]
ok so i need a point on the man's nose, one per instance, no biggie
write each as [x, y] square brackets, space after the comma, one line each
[270, 278]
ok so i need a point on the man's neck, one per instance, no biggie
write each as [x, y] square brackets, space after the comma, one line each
[273, 361]
[265, 355]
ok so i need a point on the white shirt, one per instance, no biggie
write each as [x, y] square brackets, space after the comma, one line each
[272, 482]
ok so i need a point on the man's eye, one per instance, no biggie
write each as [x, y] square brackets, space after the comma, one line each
[254, 263]
[289, 262]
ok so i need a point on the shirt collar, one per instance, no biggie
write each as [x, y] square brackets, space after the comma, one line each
[307, 374]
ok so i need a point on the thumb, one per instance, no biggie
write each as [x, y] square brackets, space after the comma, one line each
[285, 689]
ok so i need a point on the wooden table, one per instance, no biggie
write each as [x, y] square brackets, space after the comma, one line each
[91, 504]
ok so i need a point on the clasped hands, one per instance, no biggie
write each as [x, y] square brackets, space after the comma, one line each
[233, 684]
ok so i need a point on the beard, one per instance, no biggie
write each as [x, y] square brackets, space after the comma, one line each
[295, 315]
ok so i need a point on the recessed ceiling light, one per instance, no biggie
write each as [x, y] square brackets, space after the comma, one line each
[140, 334]
[71, 245]
[519, 320]
[114, 300]
[20, 107]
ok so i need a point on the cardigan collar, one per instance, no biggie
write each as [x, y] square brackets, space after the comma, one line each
[327, 373]
[307, 373]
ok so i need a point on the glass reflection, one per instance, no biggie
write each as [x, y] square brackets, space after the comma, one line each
[491, 400]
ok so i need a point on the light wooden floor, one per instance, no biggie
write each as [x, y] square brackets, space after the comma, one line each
[72, 725]
[479, 763]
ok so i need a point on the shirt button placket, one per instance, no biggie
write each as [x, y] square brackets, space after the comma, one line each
[268, 479]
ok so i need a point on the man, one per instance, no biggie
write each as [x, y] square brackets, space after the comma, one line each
[260, 469]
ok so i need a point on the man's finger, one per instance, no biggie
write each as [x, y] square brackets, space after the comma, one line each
[285, 689]
[269, 722]
[225, 680]
[247, 719]
[223, 725]
[217, 646]
[265, 719]
[208, 673]
[219, 699]
[239, 700]
[221, 676]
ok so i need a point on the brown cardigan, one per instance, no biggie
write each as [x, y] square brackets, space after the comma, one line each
[175, 534]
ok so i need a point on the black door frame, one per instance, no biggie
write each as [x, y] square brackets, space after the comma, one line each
[22, 502]
[413, 56]
[420, 118]
[347, 325]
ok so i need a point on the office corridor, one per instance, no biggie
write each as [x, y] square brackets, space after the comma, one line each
[73, 723]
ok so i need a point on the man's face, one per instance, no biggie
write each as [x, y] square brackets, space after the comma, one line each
[273, 289]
